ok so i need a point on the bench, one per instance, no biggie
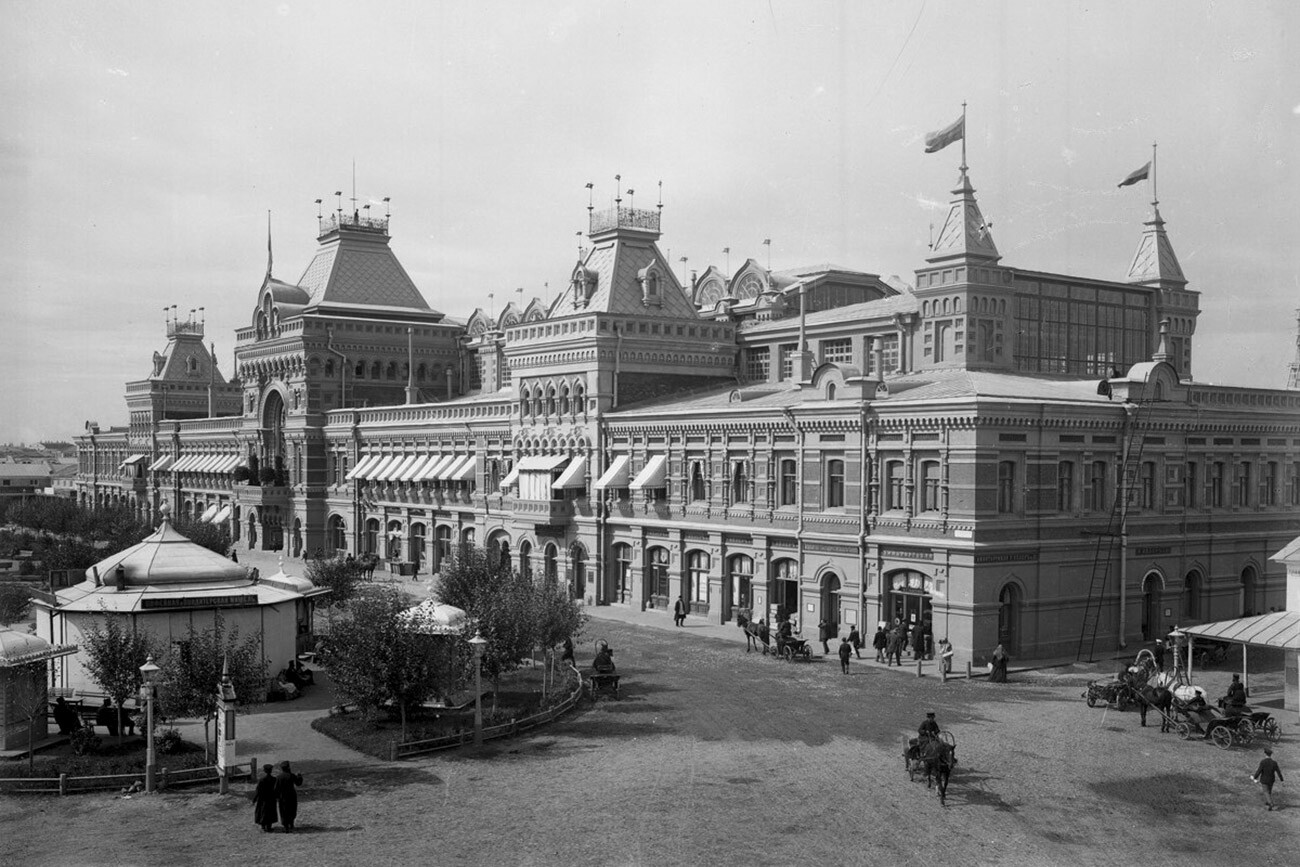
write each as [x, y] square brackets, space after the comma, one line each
[605, 682]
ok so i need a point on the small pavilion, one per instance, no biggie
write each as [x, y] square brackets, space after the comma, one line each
[171, 587]
[24, 688]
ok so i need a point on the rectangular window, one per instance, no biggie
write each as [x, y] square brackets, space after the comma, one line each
[789, 493]
[834, 484]
[1095, 492]
[1189, 485]
[889, 354]
[930, 486]
[1241, 496]
[1147, 486]
[787, 359]
[1064, 486]
[1216, 484]
[1268, 486]
[758, 364]
[894, 485]
[739, 482]
[837, 351]
[1006, 486]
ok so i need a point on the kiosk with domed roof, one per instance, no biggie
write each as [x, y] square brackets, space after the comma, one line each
[24, 688]
[170, 587]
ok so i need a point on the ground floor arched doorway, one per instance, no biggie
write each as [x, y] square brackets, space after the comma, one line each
[831, 602]
[909, 597]
[1010, 608]
[783, 592]
[1151, 613]
[1248, 583]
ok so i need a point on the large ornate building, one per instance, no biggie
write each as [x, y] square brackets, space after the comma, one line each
[1011, 455]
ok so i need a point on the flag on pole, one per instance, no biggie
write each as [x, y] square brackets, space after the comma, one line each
[937, 141]
[1137, 175]
[767, 242]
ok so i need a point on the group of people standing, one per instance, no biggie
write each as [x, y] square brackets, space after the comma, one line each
[890, 643]
[276, 798]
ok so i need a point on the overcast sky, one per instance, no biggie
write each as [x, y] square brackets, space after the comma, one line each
[144, 143]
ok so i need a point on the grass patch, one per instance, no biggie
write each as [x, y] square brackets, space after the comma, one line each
[109, 758]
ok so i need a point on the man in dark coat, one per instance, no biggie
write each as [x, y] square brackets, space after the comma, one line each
[824, 635]
[855, 639]
[880, 642]
[106, 716]
[1266, 774]
[65, 717]
[679, 612]
[286, 796]
[918, 642]
[846, 653]
[894, 651]
[264, 800]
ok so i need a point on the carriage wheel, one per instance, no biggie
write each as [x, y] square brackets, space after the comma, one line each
[1245, 731]
[787, 653]
[1090, 699]
[1272, 730]
[1222, 737]
[807, 653]
[1184, 730]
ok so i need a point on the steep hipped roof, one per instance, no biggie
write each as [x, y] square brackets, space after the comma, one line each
[881, 308]
[965, 233]
[1154, 261]
[355, 268]
[167, 557]
[616, 266]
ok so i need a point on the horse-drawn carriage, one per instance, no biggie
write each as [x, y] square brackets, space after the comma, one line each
[793, 648]
[1119, 692]
[935, 757]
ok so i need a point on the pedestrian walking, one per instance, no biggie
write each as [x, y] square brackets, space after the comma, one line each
[264, 800]
[234, 554]
[855, 639]
[1159, 654]
[998, 673]
[894, 651]
[286, 796]
[679, 612]
[824, 635]
[567, 655]
[945, 655]
[880, 641]
[1266, 774]
[846, 653]
[918, 642]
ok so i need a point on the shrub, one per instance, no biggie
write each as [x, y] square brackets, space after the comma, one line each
[243, 474]
[85, 741]
[169, 742]
[266, 475]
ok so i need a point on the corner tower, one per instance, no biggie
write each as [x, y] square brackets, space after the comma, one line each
[1155, 265]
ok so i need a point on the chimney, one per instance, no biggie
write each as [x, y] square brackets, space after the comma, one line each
[120, 575]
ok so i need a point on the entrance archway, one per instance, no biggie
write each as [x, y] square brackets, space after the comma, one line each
[1248, 581]
[831, 602]
[1009, 609]
[1152, 623]
[578, 557]
[274, 416]
[297, 537]
[784, 589]
[909, 597]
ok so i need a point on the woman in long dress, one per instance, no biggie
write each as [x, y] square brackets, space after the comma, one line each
[1000, 660]
[264, 800]
[286, 793]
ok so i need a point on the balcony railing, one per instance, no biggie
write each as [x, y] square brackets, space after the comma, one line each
[624, 218]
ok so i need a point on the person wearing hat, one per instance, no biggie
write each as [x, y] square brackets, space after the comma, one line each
[929, 728]
[286, 796]
[264, 800]
[1266, 774]
[1235, 700]
[1159, 654]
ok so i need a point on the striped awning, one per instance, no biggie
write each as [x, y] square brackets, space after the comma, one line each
[1278, 629]
[385, 472]
[209, 513]
[411, 473]
[185, 463]
[616, 476]
[653, 475]
[511, 478]
[377, 471]
[162, 464]
[574, 475]
[223, 515]
[467, 470]
[363, 466]
[452, 468]
[431, 470]
[132, 461]
[538, 463]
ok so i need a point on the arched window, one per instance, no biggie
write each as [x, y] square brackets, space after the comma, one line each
[657, 575]
[1006, 486]
[526, 559]
[329, 368]
[417, 554]
[371, 542]
[1192, 596]
[338, 534]
[550, 401]
[696, 591]
[375, 370]
[467, 537]
[564, 400]
[551, 564]
[392, 370]
[739, 483]
[441, 545]
[830, 391]
[697, 482]
[580, 399]
[740, 575]
[623, 573]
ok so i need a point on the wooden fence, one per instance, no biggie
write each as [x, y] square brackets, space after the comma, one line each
[502, 730]
[67, 785]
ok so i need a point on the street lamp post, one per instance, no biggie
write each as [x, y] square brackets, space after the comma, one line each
[148, 677]
[477, 643]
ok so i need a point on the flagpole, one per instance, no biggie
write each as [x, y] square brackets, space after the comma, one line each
[963, 137]
[1155, 195]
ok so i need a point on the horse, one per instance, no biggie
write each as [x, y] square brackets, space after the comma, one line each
[753, 635]
[939, 758]
[1159, 697]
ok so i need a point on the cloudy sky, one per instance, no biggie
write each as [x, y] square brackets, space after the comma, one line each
[144, 143]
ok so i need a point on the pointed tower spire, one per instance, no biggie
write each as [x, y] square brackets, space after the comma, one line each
[1154, 263]
[269, 258]
[965, 233]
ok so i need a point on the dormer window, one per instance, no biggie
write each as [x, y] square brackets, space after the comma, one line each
[191, 365]
[648, 277]
[583, 284]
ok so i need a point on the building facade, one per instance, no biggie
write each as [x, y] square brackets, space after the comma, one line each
[1005, 455]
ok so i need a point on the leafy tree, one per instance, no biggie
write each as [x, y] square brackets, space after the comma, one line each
[192, 671]
[378, 656]
[114, 654]
[214, 537]
[341, 575]
[15, 599]
[557, 617]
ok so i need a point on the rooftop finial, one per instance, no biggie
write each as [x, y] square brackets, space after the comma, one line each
[590, 193]
[268, 243]
[617, 180]
[660, 206]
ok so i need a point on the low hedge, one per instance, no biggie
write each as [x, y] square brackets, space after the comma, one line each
[108, 758]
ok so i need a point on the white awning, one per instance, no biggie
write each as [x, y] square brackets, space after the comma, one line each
[208, 514]
[574, 475]
[616, 476]
[654, 474]
[229, 464]
[395, 468]
[534, 463]
[201, 463]
[454, 466]
[363, 466]
[185, 464]
[511, 478]
[410, 473]
[132, 461]
[467, 470]
[377, 471]
[223, 515]
[437, 465]
[162, 464]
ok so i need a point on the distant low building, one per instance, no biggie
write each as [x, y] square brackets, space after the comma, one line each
[18, 481]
